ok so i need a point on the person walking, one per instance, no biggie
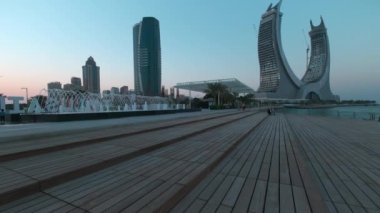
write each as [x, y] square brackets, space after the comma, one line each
[2, 116]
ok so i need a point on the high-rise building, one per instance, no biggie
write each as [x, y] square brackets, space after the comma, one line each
[124, 90]
[317, 76]
[91, 76]
[277, 80]
[54, 85]
[76, 83]
[147, 57]
[115, 90]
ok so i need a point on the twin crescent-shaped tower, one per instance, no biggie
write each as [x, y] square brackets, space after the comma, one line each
[277, 80]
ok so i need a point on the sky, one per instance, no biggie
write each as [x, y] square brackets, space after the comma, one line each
[50, 40]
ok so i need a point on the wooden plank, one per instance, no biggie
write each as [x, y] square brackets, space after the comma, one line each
[89, 198]
[342, 207]
[242, 203]
[192, 196]
[233, 193]
[117, 201]
[358, 209]
[216, 199]
[224, 209]
[94, 188]
[306, 168]
[209, 191]
[286, 199]
[274, 175]
[23, 203]
[330, 207]
[196, 206]
[166, 195]
[284, 166]
[272, 202]
[258, 198]
[253, 155]
[363, 199]
[300, 200]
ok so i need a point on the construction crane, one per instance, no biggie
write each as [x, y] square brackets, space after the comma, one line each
[307, 48]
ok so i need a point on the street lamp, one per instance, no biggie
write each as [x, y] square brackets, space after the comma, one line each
[26, 90]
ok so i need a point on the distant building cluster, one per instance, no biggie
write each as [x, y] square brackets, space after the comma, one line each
[147, 66]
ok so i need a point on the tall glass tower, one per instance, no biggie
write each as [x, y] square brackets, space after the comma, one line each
[91, 77]
[277, 80]
[147, 57]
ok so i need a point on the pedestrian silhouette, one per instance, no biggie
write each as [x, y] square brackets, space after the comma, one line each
[2, 117]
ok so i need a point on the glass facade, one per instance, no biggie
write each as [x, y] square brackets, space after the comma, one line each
[318, 58]
[147, 57]
[269, 70]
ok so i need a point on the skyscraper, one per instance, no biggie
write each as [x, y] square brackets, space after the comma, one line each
[91, 77]
[277, 80]
[317, 76]
[147, 57]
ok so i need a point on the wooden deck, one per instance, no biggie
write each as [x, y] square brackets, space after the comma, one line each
[344, 157]
[237, 162]
[264, 174]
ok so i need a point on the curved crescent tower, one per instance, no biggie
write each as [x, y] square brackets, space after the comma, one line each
[316, 81]
[277, 80]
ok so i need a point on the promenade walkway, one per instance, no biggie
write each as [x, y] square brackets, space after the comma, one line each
[230, 161]
[344, 158]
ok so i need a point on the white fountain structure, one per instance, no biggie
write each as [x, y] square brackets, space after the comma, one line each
[68, 101]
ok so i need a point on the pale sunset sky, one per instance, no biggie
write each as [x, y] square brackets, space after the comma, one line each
[50, 40]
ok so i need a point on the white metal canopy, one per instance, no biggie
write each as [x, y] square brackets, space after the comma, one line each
[232, 84]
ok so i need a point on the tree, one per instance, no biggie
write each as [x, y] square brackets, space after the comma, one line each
[216, 91]
[247, 99]
[198, 103]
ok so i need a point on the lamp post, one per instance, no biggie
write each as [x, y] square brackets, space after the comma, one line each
[26, 90]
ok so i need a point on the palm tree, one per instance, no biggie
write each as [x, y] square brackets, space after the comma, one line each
[247, 99]
[216, 91]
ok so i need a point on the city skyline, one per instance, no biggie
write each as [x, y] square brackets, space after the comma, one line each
[43, 42]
